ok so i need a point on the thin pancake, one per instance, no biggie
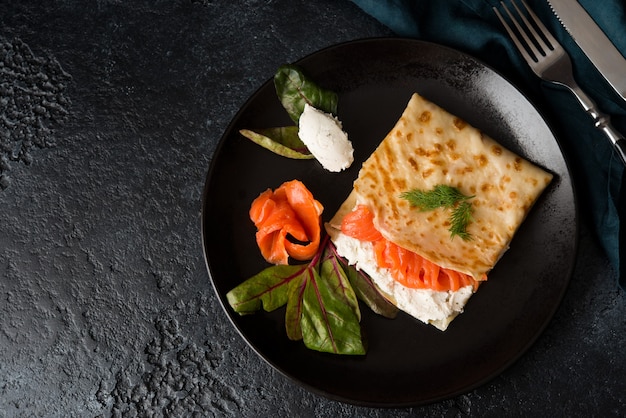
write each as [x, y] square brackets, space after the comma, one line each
[429, 146]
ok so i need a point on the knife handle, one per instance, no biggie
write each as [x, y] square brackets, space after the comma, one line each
[602, 122]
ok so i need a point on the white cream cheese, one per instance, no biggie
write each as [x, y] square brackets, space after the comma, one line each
[324, 137]
[437, 308]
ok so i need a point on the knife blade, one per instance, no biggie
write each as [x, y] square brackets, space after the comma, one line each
[593, 41]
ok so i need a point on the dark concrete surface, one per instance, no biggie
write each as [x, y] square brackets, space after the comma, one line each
[109, 114]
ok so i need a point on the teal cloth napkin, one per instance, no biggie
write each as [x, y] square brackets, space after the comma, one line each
[471, 26]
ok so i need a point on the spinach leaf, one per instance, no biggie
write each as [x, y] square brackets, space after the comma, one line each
[330, 322]
[268, 289]
[282, 141]
[294, 89]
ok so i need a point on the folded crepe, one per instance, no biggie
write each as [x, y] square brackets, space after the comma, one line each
[428, 147]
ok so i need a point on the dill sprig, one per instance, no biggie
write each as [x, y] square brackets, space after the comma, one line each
[448, 197]
[460, 219]
[441, 196]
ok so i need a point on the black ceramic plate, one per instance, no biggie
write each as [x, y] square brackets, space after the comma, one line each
[407, 363]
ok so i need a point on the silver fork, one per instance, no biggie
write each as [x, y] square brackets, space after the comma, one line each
[547, 58]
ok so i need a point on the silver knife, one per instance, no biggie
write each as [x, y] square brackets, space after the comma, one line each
[593, 42]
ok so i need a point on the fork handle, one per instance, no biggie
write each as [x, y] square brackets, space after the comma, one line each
[620, 147]
[601, 121]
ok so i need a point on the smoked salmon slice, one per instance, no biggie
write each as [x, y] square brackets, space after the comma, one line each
[288, 222]
[407, 268]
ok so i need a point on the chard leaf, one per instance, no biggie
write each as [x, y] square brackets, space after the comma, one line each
[364, 288]
[329, 324]
[283, 141]
[293, 314]
[331, 267]
[367, 292]
[268, 289]
[294, 89]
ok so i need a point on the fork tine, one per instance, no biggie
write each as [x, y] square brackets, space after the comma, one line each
[532, 43]
[537, 46]
[518, 43]
[551, 42]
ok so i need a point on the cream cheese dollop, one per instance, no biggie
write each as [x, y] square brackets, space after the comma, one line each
[323, 135]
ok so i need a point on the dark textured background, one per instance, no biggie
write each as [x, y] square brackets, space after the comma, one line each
[109, 114]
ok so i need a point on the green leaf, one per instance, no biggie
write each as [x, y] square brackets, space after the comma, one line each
[268, 289]
[329, 324]
[294, 89]
[293, 314]
[367, 292]
[283, 141]
[332, 268]
[322, 304]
